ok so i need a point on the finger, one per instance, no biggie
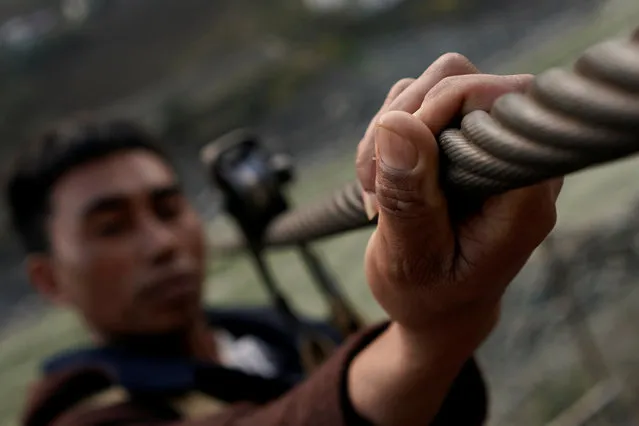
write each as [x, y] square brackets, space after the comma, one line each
[397, 89]
[448, 65]
[408, 99]
[364, 163]
[460, 95]
[413, 231]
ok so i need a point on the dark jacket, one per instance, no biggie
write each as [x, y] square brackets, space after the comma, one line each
[73, 384]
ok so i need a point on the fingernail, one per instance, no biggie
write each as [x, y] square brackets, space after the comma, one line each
[370, 204]
[394, 150]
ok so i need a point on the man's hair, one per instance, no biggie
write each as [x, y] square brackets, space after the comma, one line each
[55, 153]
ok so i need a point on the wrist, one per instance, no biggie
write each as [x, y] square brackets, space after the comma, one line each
[447, 338]
[402, 378]
[404, 375]
[419, 354]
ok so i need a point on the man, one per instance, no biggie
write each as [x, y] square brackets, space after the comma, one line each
[110, 235]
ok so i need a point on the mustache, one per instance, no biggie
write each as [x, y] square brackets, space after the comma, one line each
[169, 276]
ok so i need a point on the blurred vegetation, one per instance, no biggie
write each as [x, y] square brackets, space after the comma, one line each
[178, 38]
[552, 396]
[312, 43]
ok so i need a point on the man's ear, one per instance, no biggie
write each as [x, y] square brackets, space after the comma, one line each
[40, 271]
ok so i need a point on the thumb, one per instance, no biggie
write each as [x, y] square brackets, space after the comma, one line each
[414, 230]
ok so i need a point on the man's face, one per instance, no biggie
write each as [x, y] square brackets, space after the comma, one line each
[127, 249]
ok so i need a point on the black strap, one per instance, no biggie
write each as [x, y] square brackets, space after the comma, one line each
[77, 387]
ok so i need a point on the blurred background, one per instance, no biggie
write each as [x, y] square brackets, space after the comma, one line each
[308, 75]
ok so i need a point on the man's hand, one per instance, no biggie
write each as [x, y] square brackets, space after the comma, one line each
[440, 281]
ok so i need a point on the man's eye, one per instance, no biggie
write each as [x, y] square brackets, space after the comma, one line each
[169, 208]
[110, 228]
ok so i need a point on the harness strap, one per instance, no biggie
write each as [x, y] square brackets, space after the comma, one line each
[191, 406]
[92, 389]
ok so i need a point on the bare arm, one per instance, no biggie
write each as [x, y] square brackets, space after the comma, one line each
[392, 385]
[440, 279]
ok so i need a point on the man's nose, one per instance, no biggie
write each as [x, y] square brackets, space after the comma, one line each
[160, 242]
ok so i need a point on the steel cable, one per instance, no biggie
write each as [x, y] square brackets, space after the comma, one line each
[569, 120]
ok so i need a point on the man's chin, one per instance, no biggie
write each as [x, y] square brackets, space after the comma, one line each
[177, 319]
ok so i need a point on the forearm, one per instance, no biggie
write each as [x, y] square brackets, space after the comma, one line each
[400, 380]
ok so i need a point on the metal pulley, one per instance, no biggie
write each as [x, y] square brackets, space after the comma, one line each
[253, 182]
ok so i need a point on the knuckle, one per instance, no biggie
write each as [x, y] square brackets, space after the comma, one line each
[446, 83]
[458, 84]
[544, 227]
[447, 86]
[396, 92]
[400, 196]
[454, 63]
[549, 218]
[541, 212]
[399, 87]
[547, 206]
